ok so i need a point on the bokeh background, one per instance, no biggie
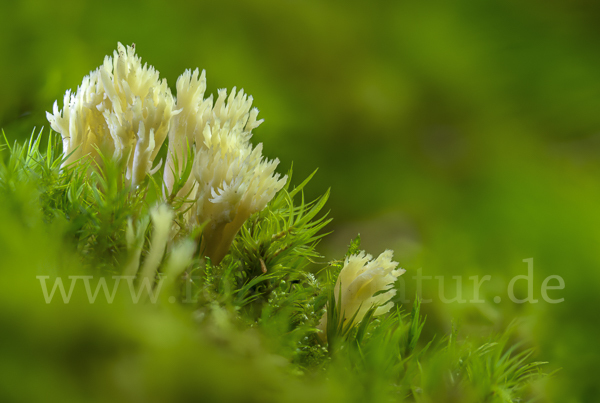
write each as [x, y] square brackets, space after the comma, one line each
[465, 135]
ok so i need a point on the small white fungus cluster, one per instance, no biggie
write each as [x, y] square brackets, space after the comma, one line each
[359, 280]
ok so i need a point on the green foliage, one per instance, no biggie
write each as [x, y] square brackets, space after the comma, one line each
[283, 235]
[90, 202]
[258, 311]
[491, 371]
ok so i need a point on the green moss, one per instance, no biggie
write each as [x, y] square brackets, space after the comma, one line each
[243, 330]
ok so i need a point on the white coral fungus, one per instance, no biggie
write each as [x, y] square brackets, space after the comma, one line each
[124, 111]
[360, 279]
[121, 109]
[230, 179]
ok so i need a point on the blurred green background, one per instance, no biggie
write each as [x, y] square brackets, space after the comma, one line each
[464, 135]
